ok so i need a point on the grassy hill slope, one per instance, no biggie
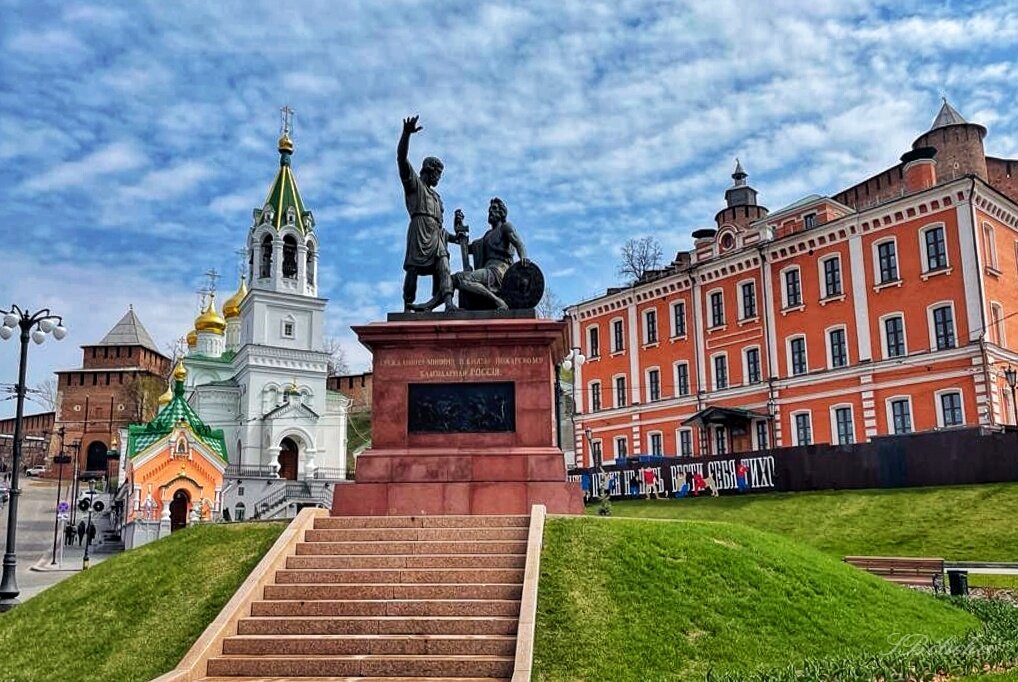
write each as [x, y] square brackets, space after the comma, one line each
[625, 599]
[132, 617]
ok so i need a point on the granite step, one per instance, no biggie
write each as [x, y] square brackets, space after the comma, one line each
[377, 625]
[408, 561]
[392, 591]
[391, 666]
[375, 645]
[388, 607]
[335, 522]
[414, 534]
[424, 547]
[402, 576]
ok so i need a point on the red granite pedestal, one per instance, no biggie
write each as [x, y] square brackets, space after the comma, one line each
[419, 471]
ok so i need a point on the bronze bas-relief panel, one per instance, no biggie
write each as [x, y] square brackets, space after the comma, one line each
[488, 407]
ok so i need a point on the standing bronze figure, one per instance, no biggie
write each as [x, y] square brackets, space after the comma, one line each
[427, 251]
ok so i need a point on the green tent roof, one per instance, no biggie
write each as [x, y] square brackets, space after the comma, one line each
[283, 194]
[141, 436]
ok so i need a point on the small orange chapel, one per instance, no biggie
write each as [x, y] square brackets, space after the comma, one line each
[174, 468]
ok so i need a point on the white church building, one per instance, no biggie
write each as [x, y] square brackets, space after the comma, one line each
[258, 369]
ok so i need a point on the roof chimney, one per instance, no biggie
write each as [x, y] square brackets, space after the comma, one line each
[920, 169]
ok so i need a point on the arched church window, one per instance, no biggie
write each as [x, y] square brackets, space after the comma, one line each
[250, 264]
[266, 266]
[289, 257]
[310, 269]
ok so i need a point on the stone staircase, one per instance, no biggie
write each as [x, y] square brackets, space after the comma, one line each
[387, 598]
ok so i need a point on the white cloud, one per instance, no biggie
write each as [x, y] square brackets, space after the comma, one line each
[114, 158]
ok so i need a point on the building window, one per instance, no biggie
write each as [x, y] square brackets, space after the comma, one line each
[936, 249]
[803, 429]
[650, 326]
[943, 327]
[618, 337]
[681, 378]
[753, 366]
[997, 319]
[679, 318]
[793, 288]
[620, 391]
[287, 329]
[843, 424]
[720, 372]
[656, 447]
[887, 258]
[239, 511]
[901, 416]
[720, 440]
[832, 277]
[762, 438]
[991, 246]
[748, 291]
[593, 342]
[950, 409]
[838, 347]
[621, 447]
[809, 221]
[894, 333]
[595, 396]
[653, 385]
[797, 352]
[717, 309]
[595, 453]
[685, 443]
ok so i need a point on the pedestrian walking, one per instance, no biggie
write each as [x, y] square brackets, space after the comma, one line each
[91, 533]
[69, 534]
[81, 532]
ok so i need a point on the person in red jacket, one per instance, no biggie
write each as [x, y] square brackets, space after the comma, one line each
[649, 481]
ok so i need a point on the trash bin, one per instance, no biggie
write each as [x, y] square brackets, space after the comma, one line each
[959, 583]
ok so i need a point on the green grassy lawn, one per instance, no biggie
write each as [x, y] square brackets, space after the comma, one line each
[627, 599]
[133, 616]
[963, 523]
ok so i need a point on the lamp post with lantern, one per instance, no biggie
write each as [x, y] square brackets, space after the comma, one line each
[35, 326]
[1011, 377]
[574, 360]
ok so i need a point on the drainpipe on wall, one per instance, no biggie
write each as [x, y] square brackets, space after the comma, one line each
[983, 356]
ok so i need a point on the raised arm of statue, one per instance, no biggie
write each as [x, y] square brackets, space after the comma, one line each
[406, 171]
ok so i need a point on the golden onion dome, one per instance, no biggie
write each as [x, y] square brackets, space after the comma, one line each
[192, 339]
[231, 308]
[165, 398]
[285, 144]
[210, 320]
[180, 372]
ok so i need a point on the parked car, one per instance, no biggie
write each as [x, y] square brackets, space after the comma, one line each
[36, 471]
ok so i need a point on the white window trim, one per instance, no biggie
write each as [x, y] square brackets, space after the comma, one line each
[788, 354]
[714, 374]
[615, 391]
[600, 443]
[727, 440]
[939, 408]
[877, 284]
[830, 348]
[883, 334]
[931, 325]
[890, 413]
[710, 310]
[990, 239]
[678, 442]
[795, 430]
[834, 422]
[289, 319]
[597, 330]
[590, 395]
[785, 307]
[923, 250]
[999, 323]
[822, 277]
[650, 439]
[741, 300]
[671, 319]
[611, 335]
[644, 315]
[615, 447]
[745, 364]
[675, 379]
[646, 382]
[756, 433]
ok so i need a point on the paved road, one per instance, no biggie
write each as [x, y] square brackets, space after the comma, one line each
[35, 537]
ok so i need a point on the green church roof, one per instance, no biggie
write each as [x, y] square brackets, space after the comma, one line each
[141, 436]
[284, 195]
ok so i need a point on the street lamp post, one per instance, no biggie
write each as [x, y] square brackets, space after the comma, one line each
[1011, 376]
[74, 477]
[88, 527]
[573, 361]
[60, 460]
[34, 326]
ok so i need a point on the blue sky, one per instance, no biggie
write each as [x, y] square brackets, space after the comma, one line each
[139, 136]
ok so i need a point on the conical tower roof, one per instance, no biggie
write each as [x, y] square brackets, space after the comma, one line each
[129, 332]
[947, 116]
[283, 193]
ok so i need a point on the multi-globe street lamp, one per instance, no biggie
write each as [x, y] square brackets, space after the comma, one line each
[35, 326]
[576, 358]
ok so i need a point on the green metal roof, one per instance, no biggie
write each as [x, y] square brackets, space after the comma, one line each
[283, 194]
[141, 436]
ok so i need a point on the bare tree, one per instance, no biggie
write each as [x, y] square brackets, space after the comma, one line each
[337, 356]
[45, 393]
[550, 306]
[638, 257]
[140, 396]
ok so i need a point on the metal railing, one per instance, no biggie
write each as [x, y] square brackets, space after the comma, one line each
[330, 474]
[249, 471]
[293, 491]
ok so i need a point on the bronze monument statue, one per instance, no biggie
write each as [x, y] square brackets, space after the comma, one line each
[427, 252]
[492, 255]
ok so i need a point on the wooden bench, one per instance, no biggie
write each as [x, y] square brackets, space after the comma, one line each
[901, 570]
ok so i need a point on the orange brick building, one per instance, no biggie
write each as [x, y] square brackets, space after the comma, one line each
[887, 308]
